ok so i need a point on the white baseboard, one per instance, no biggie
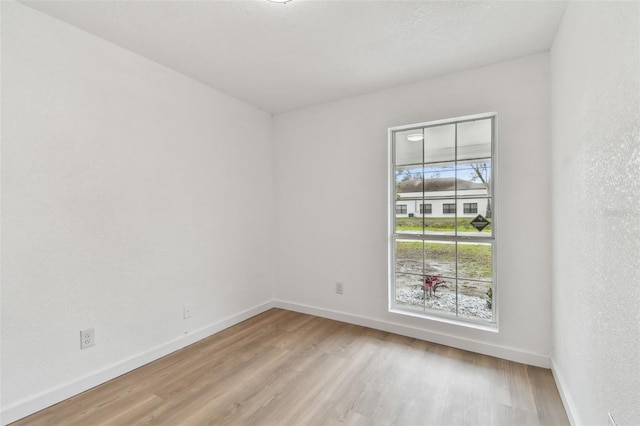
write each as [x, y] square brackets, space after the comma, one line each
[484, 348]
[53, 396]
[563, 390]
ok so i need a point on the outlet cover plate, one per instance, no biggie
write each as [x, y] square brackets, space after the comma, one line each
[87, 338]
[339, 288]
[187, 311]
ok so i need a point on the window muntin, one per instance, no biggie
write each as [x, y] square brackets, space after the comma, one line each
[444, 165]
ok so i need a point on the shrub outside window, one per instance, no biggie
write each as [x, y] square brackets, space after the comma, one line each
[443, 265]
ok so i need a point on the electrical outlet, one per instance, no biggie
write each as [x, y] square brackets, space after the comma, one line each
[87, 338]
[611, 422]
[339, 288]
[187, 311]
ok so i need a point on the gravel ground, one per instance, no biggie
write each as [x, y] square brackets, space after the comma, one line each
[469, 306]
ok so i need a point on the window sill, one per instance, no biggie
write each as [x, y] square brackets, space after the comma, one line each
[477, 325]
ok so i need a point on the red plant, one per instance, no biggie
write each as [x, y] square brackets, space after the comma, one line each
[432, 283]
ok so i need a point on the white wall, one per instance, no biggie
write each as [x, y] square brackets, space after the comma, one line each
[332, 165]
[595, 63]
[120, 183]
[119, 197]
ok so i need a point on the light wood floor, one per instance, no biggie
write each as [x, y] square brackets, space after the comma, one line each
[286, 368]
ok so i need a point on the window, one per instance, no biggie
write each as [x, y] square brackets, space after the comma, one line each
[401, 209]
[470, 207]
[443, 265]
[448, 208]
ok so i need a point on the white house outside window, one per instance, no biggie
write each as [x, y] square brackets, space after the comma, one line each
[442, 258]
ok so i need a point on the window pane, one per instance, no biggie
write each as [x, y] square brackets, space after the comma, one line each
[474, 188]
[474, 139]
[408, 291]
[408, 199]
[478, 171]
[474, 180]
[409, 181]
[475, 261]
[443, 298]
[439, 143]
[440, 258]
[439, 223]
[467, 224]
[474, 301]
[408, 147]
[409, 255]
[439, 189]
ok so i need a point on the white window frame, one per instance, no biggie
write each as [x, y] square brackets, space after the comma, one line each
[393, 235]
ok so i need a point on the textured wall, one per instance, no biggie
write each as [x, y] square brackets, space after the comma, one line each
[331, 182]
[596, 210]
[127, 191]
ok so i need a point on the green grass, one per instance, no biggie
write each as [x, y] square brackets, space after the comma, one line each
[474, 260]
[436, 224]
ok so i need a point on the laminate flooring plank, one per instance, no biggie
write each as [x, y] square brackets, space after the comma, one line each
[221, 359]
[352, 385]
[238, 388]
[220, 401]
[337, 398]
[304, 358]
[546, 395]
[506, 415]
[470, 389]
[520, 389]
[267, 380]
[129, 413]
[286, 368]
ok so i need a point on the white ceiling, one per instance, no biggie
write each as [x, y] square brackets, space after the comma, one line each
[280, 57]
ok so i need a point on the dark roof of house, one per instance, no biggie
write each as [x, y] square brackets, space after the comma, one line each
[438, 184]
